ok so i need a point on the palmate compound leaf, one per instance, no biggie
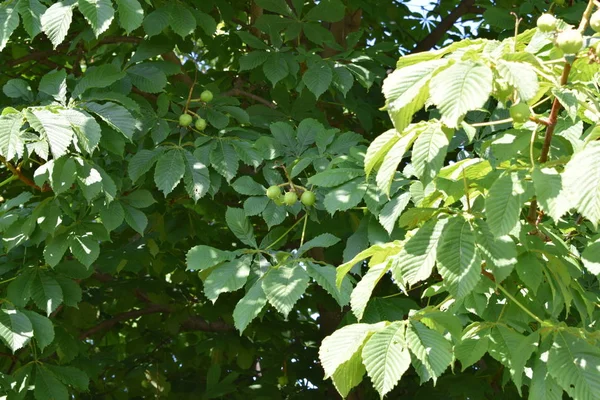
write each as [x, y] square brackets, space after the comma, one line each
[416, 260]
[386, 357]
[285, 285]
[460, 88]
[582, 179]
[457, 257]
[575, 365]
[249, 306]
[228, 277]
[324, 275]
[56, 21]
[15, 328]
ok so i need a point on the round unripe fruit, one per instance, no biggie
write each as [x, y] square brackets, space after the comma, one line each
[290, 198]
[570, 41]
[200, 124]
[520, 113]
[595, 21]
[206, 96]
[308, 198]
[185, 120]
[560, 2]
[546, 23]
[273, 192]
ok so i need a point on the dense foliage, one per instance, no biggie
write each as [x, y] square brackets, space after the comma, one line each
[263, 199]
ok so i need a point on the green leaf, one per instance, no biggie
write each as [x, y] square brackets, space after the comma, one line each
[341, 345]
[391, 211]
[473, 345]
[47, 385]
[568, 99]
[156, 21]
[18, 89]
[63, 175]
[255, 205]
[43, 330]
[379, 148]
[343, 80]
[543, 386]
[72, 293]
[115, 116]
[136, 219]
[415, 261]
[19, 290]
[203, 257]
[227, 277]
[55, 249]
[325, 276]
[112, 216]
[362, 292]
[240, 226]
[407, 89]
[378, 251]
[521, 76]
[513, 350]
[169, 171]
[349, 374]
[252, 60]
[500, 253]
[141, 162]
[276, 6]
[98, 77]
[56, 21]
[318, 77]
[334, 177]
[196, 178]
[249, 306]
[131, 14]
[206, 22]
[429, 347]
[275, 68]
[253, 41]
[324, 240]
[87, 131]
[248, 186]
[273, 214]
[57, 130]
[284, 286]
[98, 13]
[591, 257]
[9, 21]
[70, 376]
[31, 11]
[574, 364]
[182, 20]
[582, 179]
[11, 144]
[15, 328]
[346, 196]
[386, 357]
[457, 257]
[327, 11]
[550, 192]
[503, 203]
[54, 83]
[429, 153]
[391, 160]
[147, 78]
[84, 246]
[225, 160]
[460, 88]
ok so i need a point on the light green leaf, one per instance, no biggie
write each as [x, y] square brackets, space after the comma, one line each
[500, 253]
[457, 258]
[550, 192]
[429, 153]
[323, 240]
[31, 11]
[284, 286]
[98, 13]
[47, 385]
[318, 77]
[378, 251]
[349, 374]
[56, 129]
[169, 171]
[325, 276]
[98, 77]
[362, 292]
[131, 14]
[503, 203]
[342, 344]
[227, 277]
[203, 257]
[15, 328]
[11, 143]
[379, 148]
[460, 88]
[429, 347]
[591, 257]
[391, 211]
[334, 177]
[9, 21]
[249, 306]
[415, 261]
[56, 21]
[87, 130]
[346, 196]
[240, 226]
[225, 160]
[43, 330]
[582, 180]
[115, 116]
[54, 83]
[391, 160]
[147, 78]
[521, 76]
[473, 345]
[386, 357]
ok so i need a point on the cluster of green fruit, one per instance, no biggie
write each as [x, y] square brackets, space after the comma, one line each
[290, 198]
[200, 124]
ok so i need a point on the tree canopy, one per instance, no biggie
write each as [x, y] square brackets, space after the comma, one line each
[276, 199]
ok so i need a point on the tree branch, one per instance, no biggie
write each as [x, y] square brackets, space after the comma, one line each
[465, 7]
[242, 93]
[183, 77]
[16, 171]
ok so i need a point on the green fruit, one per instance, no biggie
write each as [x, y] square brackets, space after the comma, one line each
[200, 124]
[206, 96]
[560, 2]
[290, 198]
[595, 21]
[185, 120]
[570, 42]
[520, 113]
[308, 198]
[546, 23]
[273, 192]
